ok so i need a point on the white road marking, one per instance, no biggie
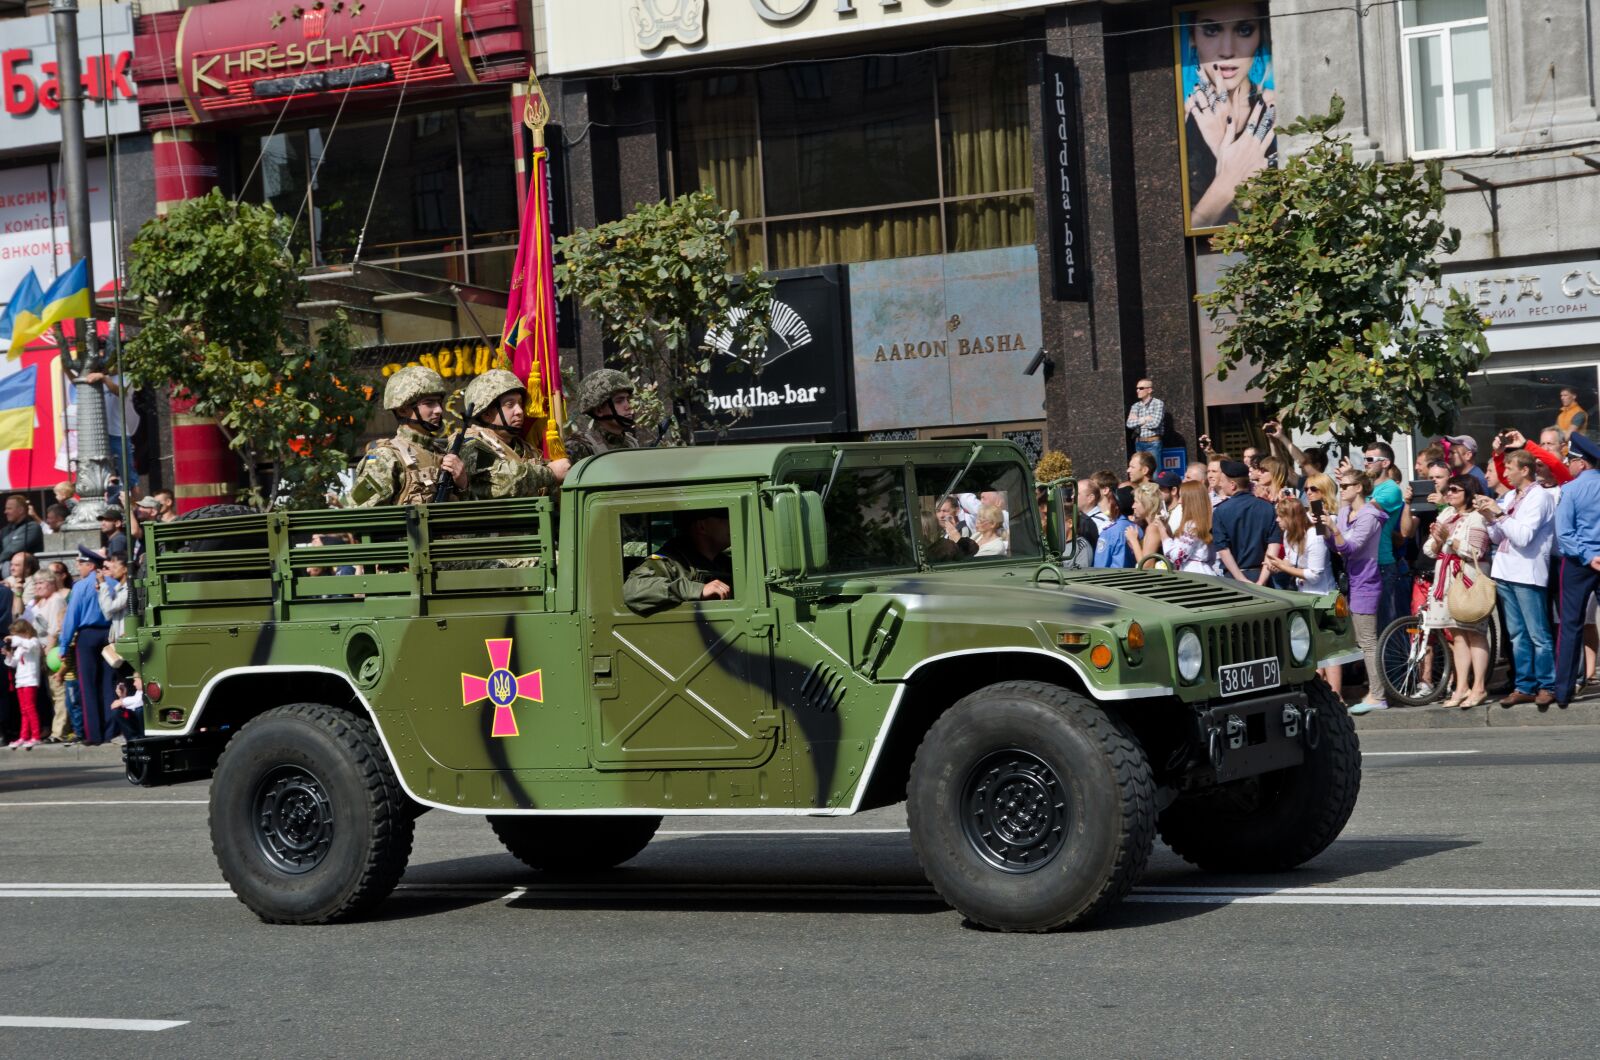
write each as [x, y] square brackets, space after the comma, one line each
[1573, 898]
[1383, 754]
[88, 1024]
[109, 802]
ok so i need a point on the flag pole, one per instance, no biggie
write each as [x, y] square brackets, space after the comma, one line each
[536, 115]
[94, 457]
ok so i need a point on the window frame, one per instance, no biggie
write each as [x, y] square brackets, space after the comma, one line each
[1443, 31]
[756, 227]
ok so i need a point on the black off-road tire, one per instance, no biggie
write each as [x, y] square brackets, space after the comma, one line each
[1031, 809]
[1279, 820]
[308, 821]
[577, 843]
[216, 511]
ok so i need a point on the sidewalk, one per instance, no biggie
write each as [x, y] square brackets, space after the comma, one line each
[1490, 715]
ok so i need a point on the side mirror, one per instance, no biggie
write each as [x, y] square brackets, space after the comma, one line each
[800, 534]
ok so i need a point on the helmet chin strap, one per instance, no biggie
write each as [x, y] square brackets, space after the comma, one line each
[612, 416]
[421, 424]
[500, 416]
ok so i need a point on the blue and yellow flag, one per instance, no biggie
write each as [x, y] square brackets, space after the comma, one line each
[21, 313]
[16, 409]
[67, 298]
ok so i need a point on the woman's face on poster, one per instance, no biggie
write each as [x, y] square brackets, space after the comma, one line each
[1226, 40]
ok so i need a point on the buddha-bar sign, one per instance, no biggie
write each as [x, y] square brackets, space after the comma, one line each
[249, 58]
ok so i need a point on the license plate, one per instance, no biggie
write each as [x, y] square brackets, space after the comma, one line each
[1248, 677]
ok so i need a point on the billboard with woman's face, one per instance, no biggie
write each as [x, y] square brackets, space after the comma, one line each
[1227, 104]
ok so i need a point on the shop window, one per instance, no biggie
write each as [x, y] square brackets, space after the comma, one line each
[1528, 400]
[864, 159]
[446, 187]
[488, 188]
[1447, 74]
[868, 141]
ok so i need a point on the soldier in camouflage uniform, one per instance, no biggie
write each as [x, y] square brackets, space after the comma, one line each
[407, 468]
[499, 461]
[604, 420]
[695, 565]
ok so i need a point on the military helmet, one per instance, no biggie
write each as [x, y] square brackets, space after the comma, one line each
[409, 384]
[598, 386]
[485, 392]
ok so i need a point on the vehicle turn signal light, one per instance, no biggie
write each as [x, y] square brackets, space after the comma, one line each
[1070, 639]
[152, 691]
[1341, 607]
[1100, 655]
[1135, 636]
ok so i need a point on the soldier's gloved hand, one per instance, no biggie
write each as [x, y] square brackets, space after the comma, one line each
[456, 469]
[560, 468]
[716, 589]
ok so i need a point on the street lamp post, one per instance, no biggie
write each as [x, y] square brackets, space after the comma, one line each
[94, 456]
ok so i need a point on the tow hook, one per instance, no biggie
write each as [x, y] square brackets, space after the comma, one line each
[1313, 733]
[1291, 720]
[1232, 730]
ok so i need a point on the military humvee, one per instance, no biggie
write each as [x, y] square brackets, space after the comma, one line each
[340, 672]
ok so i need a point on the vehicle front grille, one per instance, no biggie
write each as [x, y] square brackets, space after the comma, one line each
[1237, 642]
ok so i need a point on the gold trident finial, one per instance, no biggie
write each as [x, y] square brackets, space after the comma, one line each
[536, 111]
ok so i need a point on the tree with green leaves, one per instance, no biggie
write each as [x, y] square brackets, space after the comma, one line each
[1323, 304]
[658, 280]
[216, 285]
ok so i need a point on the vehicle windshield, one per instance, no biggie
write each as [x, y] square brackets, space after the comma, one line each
[953, 517]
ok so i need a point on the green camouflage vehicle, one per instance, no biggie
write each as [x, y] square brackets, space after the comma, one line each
[340, 672]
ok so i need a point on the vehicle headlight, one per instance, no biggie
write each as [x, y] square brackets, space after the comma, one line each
[1299, 639]
[1189, 655]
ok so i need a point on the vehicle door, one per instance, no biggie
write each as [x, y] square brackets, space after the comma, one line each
[690, 684]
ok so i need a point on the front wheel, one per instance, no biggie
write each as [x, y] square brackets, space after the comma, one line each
[1030, 808]
[1281, 819]
[308, 821]
[1415, 661]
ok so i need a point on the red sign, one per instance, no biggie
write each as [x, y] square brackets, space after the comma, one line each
[246, 57]
[104, 76]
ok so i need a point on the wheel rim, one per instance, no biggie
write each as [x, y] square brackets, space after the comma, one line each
[1014, 811]
[292, 819]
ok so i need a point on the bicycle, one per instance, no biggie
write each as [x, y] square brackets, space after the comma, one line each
[1415, 657]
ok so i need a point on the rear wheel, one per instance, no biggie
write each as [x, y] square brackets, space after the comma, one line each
[308, 821]
[1281, 819]
[574, 844]
[1030, 808]
[1415, 661]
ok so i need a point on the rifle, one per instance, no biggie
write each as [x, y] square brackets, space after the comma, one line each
[441, 493]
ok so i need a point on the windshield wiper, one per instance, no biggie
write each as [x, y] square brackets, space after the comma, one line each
[950, 489]
[838, 458]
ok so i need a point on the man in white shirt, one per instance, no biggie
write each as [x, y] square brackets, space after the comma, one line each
[1522, 527]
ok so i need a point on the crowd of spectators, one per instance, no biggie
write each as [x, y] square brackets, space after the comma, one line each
[64, 682]
[1524, 514]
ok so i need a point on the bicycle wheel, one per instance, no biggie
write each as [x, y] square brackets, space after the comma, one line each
[1415, 661]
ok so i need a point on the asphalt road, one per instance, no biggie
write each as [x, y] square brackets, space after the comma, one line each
[1457, 916]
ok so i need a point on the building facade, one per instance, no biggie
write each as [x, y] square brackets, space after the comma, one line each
[1506, 94]
[902, 148]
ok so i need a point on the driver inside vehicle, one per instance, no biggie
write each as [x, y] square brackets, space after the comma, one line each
[696, 564]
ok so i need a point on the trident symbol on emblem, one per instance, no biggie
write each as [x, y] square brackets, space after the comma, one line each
[502, 688]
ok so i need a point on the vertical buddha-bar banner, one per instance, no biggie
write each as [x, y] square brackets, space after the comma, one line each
[529, 340]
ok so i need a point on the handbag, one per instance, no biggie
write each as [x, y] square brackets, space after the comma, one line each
[1471, 595]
